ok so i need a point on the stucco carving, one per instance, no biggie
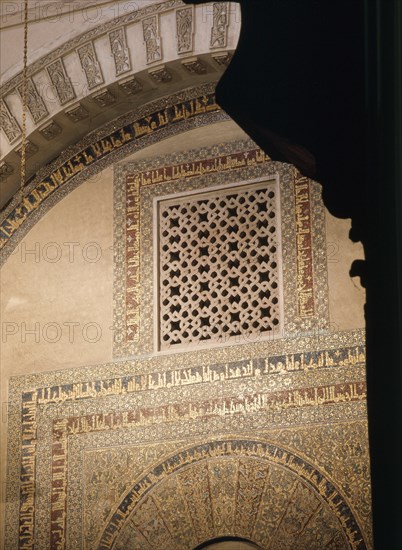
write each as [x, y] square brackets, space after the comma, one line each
[90, 65]
[51, 130]
[220, 25]
[8, 123]
[194, 65]
[77, 113]
[35, 103]
[61, 82]
[185, 29]
[217, 263]
[131, 85]
[135, 15]
[152, 39]
[120, 52]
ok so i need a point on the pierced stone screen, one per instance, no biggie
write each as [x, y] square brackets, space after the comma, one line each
[219, 276]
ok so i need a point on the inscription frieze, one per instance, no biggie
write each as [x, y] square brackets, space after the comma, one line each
[326, 385]
[145, 126]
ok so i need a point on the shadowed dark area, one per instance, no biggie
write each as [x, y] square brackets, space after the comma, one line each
[209, 543]
[318, 84]
[296, 86]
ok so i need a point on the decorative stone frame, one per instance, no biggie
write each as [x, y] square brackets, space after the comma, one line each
[302, 228]
[312, 402]
[276, 330]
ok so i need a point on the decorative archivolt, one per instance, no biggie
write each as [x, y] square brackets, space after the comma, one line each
[113, 141]
[249, 489]
[118, 66]
[165, 30]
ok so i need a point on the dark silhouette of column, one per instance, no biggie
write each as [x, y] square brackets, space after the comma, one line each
[318, 84]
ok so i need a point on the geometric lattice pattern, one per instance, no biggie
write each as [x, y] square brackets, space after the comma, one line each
[219, 276]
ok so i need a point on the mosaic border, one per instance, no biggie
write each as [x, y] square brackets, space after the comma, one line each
[246, 447]
[133, 246]
[304, 440]
[64, 395]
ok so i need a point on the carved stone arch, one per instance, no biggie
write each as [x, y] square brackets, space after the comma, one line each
[246, 488]
[140, 127]
[146, 53]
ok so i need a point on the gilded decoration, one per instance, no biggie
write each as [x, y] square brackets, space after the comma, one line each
[242, 487]
[265, 439]
[150, 123]
[143, 416]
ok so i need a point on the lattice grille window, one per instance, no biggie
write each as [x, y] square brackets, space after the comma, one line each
[219, 279]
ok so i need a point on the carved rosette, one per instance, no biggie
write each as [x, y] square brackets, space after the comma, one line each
[8, 123]
[35, 103]
[90, 65]
[152, 39]
[120, 51]
[61, 82]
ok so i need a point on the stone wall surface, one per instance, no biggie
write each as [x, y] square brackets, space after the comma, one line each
[119, 430]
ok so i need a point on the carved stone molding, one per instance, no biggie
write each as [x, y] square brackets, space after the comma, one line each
[90, 65]
[131, 85]
[223, 59]
[61, 82]
[160, 74]
[130, 131]
[30, 149]
[35, 103]
[185, 29]
[50, 131]
[9, 124]
[152, 39]
[77, 113]
[125, 19]
[194, 65]
[105, 98]
[5, 170]
[72, 74]
[120, 51]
